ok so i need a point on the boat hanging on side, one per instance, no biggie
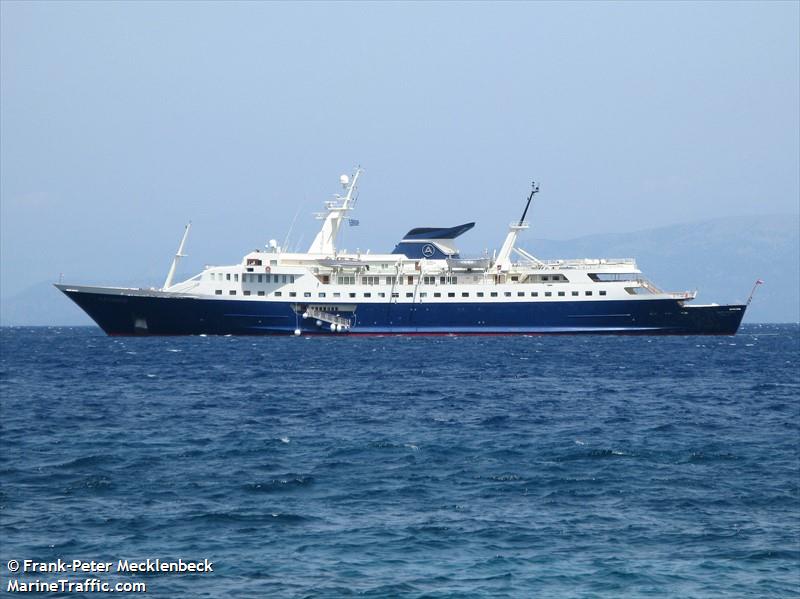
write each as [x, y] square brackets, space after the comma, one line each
[423, 286]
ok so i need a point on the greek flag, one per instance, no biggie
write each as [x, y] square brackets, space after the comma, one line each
[353, 222]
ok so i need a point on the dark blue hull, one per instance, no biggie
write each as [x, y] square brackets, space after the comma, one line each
[119, 313]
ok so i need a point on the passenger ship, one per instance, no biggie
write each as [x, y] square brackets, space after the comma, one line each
[423, 286]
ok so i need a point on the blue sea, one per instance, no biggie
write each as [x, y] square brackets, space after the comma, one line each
[407, 467]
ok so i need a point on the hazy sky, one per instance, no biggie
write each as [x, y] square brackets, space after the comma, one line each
[120, 122]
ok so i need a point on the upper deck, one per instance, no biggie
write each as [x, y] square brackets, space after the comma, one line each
[424, 259]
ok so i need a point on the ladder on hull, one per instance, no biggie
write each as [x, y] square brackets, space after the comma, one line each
[337, 324]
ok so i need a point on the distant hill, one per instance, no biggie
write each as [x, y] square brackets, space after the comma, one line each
[721, 258]
[41, 304]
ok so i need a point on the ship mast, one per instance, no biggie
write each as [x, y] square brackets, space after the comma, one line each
[325, 241]
[503, 262]
[178, 255]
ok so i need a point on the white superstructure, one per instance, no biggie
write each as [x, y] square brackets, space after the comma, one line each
[323, 274]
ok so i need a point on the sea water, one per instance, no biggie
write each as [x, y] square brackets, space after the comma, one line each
[407, 466]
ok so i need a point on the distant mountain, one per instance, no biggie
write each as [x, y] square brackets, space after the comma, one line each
[721, 258]
[41, 304]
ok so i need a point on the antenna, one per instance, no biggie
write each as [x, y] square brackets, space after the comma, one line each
[534, 190]
[294, 220]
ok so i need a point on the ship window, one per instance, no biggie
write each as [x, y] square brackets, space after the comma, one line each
[602, 277]
[588, 293]
[236, 277]
[464, 294]
[479, 294]
[451, 294]
[247, 292]
[545, 278]
[232, 292]
[352, 294]
[262, 293]
[337, 294]
[507, 294]
[273, 263]
[442, 280]
[548, 294]
[347, 280]
[260, 278]
[515, 278]
[560, 294]
[370, 280]
[368, 295]
[602, 293]
[218, 292]
[429, 280]
[493, 294]
[228, 276]
[520, 294]
[453, 280]
[276, 278]
[321, 294]
[574, 293]
[437, 294]
[248, 269]
[534, 294]
[409, 295]
[381, 294]
[291, 278]
[410, 279]
[423, 294]
[307, 294]
[292, 294]
[283, 278]
[395, 294]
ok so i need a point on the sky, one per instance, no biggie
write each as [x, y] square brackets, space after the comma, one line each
[120, 122]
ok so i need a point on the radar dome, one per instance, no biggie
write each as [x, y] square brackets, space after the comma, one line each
[344, 179]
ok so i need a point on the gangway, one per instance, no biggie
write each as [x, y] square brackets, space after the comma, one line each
[338, 324]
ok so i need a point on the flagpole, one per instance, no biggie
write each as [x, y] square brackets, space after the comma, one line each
[753, 290]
